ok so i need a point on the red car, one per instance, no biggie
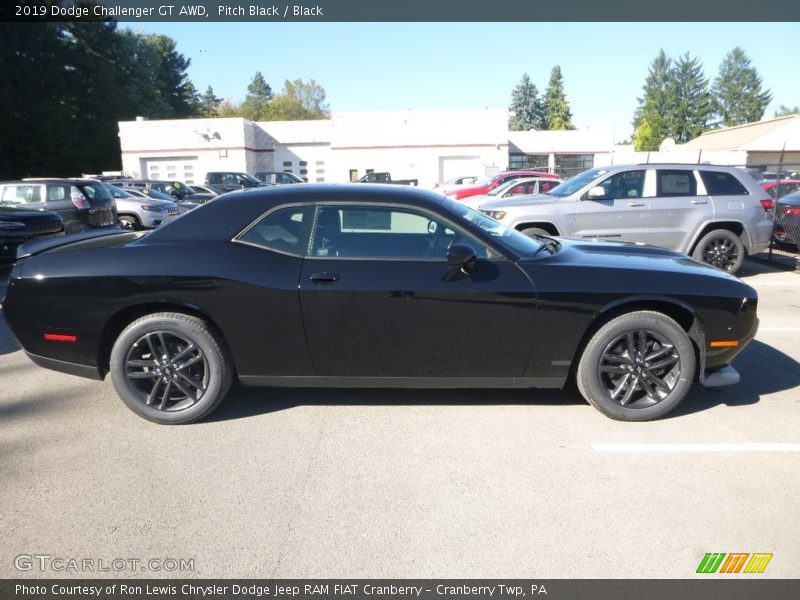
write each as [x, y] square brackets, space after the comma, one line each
[487, 184]
[779, 189]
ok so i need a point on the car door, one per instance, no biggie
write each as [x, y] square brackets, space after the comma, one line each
[379, 299]
[678, 210]
[620, 214]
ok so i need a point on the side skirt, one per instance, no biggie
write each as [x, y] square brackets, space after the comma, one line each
[402, 382]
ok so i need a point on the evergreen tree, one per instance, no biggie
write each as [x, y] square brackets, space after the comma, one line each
[556, 106]
[526, 106]
[693, 106]
[738, 94]
[649, 121]
[209, 103]
[259, 95]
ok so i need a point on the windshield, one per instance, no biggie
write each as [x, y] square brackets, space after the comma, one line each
[511, 238]
[250, 178]
[572, 185]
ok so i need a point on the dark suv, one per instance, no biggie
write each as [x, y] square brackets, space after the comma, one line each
[229, 180]
[81, 203]
[18, 226]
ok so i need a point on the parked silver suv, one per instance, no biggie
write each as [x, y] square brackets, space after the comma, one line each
[715, 214]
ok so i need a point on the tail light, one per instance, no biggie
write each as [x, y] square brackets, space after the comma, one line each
[792, 212]
[768, 204]
[78, 199]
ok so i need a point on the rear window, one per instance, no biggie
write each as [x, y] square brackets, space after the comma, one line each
[285, 230]
[719, 183]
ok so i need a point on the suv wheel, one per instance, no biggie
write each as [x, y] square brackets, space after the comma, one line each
[129, 222]
[637, 367]
[721, 248]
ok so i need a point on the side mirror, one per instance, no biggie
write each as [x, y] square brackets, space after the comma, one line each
[461, 255]
[596, 193]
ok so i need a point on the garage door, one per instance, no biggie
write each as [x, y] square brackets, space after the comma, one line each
[177, 168]
[456, 166]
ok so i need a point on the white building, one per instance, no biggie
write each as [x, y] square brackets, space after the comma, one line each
[429, 146]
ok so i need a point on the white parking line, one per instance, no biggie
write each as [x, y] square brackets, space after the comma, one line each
[712, 447]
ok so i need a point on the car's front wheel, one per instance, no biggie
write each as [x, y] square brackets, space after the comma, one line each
[170, 368]
[130, 222]
[637, 367]
[721, 248]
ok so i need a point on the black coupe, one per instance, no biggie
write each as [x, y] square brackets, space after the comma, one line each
[371, 286]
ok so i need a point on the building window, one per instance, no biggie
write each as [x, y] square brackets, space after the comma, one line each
[568, 165]
[287, 163]
[303, 172]
[303, 163]
[320, 163]
[535, 162]
[320, 179]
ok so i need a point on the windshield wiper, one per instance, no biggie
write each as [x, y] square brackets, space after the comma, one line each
[550, 244]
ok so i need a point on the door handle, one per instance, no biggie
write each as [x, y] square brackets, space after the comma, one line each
[699, 201]
[635, 203]
[324, 277]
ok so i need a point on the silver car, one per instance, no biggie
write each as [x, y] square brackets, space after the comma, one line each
[140, 213]
[715, 214]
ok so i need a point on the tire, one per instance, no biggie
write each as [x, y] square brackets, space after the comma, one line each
[615, 377]
[130, 222]
[720, 248]
[532, 231]
[188, 384]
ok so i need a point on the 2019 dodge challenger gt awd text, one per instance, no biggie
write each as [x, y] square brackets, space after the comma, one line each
[372, 286]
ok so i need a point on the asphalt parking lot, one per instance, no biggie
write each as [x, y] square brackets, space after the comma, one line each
[359, 483]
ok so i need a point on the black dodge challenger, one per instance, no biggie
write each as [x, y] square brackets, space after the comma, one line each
[347, 285]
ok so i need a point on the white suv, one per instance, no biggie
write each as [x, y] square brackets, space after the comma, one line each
[715, 214]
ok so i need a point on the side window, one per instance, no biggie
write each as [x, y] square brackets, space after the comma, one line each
[516, 190]
[719, 183]
[675, 182]
[627, 184]
[56, 193]
[546, 186]
[285, 230]
[384, 232]
[22, 194]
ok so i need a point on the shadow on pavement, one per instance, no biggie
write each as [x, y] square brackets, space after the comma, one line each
[764, 370]
[248, 402]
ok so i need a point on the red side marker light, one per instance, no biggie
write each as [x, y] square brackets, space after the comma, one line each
[60, 337]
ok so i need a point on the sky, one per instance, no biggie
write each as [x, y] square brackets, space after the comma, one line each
[395, 66]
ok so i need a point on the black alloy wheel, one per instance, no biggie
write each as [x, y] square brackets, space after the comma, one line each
[637, 367]
[722, 249]
[170, 368]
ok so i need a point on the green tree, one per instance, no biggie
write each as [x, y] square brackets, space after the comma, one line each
[738, 94]
[526, 107]
[299, 100]
[256, 103]
[556, 106]
[693, 106]
[209, 103]
[171, 78]
[785, 110]
[649, 123]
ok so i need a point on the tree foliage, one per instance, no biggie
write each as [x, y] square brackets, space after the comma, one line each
[694, 106]
[738, 91]
[69, 84]
[298, 101]
[256, 103]
[526, 107]
[209, 103]
[649, 121]
[556, 107]
[784, 111]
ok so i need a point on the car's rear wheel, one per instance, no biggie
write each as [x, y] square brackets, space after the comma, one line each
[637, 367]
[721, 248]
[170, 368]
[130, 222]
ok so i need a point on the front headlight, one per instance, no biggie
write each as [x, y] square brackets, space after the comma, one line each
[152, 208]
[11, 225]
[497, 215]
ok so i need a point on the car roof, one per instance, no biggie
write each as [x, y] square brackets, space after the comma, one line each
[229, 213]
[68, 180]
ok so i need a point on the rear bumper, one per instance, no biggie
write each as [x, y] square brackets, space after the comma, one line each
[66, 367]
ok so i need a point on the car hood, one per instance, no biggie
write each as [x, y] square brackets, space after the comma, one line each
[524, 200]
[635, 262]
